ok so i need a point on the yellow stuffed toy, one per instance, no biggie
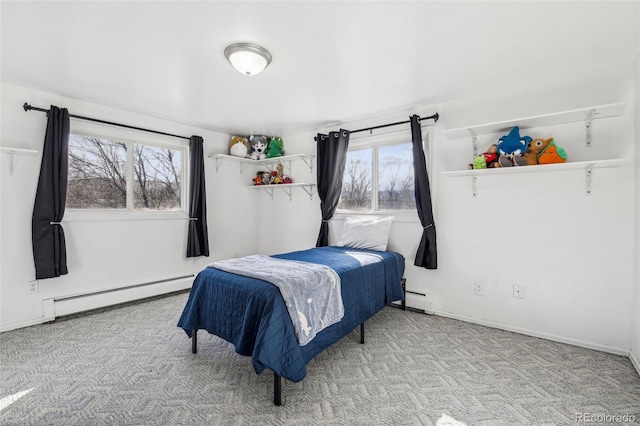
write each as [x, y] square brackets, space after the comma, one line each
[239, 146]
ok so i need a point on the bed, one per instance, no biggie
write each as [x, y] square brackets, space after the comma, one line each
[251, 314]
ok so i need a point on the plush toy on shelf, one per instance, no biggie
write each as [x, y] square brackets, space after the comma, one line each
[275, 148]
[511, 149]
[278, 175]
[257, 147]
[262, 178]
[239, 146]
[486, 159]
[544, 151]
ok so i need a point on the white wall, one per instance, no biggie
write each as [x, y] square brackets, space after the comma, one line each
[104, 254]
[572, 252]
[635, 327]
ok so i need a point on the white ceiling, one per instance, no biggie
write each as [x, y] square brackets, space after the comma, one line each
[332, 61]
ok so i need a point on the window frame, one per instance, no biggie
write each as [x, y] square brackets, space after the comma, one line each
[131, 139]
[381, 141]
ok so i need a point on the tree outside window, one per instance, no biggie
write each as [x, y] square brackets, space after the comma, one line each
[356, 182]
[102, 173]
[157, 174]
[378, 179]
[395, 178]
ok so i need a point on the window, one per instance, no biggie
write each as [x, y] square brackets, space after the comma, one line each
[378, 178]
[106, 174]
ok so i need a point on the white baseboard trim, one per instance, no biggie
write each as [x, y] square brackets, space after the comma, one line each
[82, 303]
[635, 361]
[20, 324]
[554, 338]
[57, 307]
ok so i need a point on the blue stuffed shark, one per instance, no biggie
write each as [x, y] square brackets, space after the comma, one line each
[512, 147]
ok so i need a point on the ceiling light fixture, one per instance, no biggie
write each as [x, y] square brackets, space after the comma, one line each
[247, 58]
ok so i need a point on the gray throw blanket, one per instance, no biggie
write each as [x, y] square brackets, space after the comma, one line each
[310, 291]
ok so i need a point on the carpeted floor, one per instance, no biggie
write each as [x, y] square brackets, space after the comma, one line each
[131, 365]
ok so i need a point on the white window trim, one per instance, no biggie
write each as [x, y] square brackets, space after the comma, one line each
[107, 215]
[402, 216]
[383, 140]
[129, 213]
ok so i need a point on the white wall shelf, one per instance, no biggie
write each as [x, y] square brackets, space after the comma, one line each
[587, 115]
[570, 116]
[12, 151]
[581, 114]
[540, 168]
[285, 159]
[286, 187]
[588, 167]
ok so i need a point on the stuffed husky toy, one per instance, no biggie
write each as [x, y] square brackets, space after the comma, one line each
[258, 147]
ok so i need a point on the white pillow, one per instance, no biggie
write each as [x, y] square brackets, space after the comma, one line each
[366, 233]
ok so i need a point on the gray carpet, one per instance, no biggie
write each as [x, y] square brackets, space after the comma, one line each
[131, 365]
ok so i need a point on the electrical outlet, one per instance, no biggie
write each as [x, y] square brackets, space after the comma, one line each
[478, 288]
[518, 291]
[33, 287]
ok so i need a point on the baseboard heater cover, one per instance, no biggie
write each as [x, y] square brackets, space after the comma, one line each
[420, 301]
[73, 304]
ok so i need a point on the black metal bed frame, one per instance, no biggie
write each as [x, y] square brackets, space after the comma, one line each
[277, 379]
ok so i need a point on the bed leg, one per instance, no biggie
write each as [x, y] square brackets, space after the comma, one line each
[277, 389]
[194, 341]
[362, 334]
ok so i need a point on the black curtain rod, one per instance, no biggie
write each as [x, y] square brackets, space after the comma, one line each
[28, 107]
[435, 118]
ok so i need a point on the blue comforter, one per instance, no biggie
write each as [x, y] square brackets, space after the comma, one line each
[251, 314]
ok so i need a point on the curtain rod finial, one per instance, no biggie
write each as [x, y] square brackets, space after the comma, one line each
[26, 106]
[436, 116]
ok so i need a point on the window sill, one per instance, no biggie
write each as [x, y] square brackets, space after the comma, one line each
[397, 215]
[114, 216]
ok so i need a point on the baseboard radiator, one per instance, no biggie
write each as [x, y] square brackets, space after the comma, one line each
[422, 302]
[76, 303]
